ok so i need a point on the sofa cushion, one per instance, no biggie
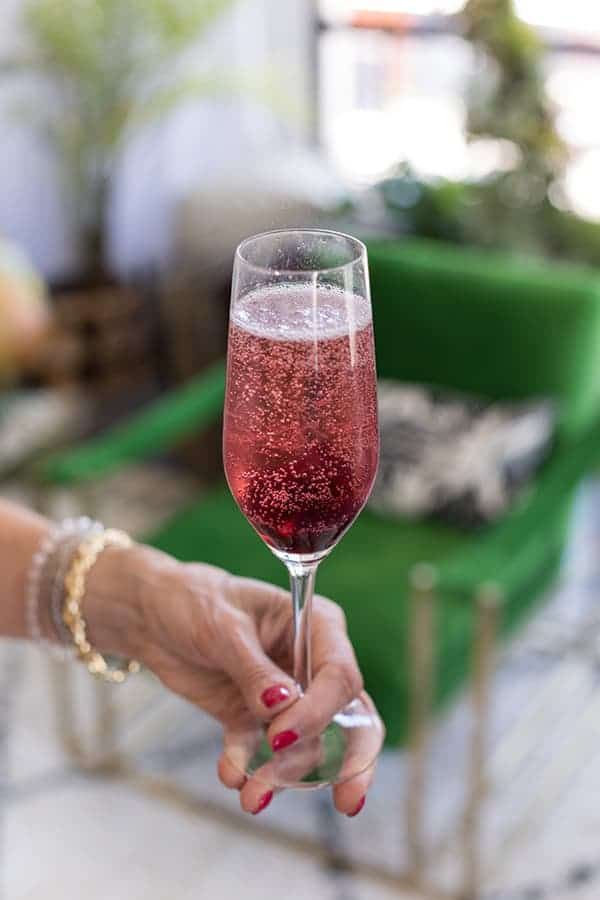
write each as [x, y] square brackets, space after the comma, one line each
[456, 456]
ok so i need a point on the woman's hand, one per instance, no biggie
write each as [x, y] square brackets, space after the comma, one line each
[224, 643]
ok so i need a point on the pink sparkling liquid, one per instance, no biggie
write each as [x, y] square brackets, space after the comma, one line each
[300, 429]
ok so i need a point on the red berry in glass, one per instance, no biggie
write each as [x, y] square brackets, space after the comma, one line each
[300, 430]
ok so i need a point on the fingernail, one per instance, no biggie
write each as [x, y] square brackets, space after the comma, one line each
[284, 739]
[358, 808]
[263, 802]
[275, 694]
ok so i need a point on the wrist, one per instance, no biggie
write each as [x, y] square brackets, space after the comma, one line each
[118, 590]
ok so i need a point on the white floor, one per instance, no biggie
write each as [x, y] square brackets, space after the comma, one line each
[99, 841]
[68, 834]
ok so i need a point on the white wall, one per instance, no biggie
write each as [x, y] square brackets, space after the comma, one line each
[196, 142]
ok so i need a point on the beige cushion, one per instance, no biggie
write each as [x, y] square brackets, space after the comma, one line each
[283, 190]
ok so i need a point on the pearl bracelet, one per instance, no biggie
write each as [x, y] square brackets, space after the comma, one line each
[44, 587]
[75, 580]
[62, 559]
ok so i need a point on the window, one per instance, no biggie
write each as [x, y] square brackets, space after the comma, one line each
[393, 81]
[573, 18]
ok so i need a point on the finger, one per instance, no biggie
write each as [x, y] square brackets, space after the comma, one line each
[337, 679]
[350, 796]
[287, 769]
[357, 771]
[364, 739]
[266, 688]
[230, 775]
[333, 687]
[239, 746]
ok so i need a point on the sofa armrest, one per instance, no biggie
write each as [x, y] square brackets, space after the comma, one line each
[157, 429]
[498, 555]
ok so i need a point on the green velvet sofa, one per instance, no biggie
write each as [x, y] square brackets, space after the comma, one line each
[491, 325]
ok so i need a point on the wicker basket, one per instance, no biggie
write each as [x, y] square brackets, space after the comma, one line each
[106, 338]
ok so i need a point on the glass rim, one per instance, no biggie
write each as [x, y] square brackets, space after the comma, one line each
[360, 247]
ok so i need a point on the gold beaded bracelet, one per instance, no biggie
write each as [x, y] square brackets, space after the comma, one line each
[75, 581]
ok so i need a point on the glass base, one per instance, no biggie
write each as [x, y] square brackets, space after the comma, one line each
[348, 746]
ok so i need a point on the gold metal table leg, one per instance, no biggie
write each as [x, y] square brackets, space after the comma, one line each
[98, 749]
[422, 678]
[61, 686]
[486, 616]
[105, 752]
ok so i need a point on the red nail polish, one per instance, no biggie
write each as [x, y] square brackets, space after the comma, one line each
[275, 694]
[358, 808]
[284, 739]
[263, 802]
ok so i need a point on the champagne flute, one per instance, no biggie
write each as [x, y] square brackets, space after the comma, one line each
[301, 444]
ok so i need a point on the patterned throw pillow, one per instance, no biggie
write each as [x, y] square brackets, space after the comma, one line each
[455, 456]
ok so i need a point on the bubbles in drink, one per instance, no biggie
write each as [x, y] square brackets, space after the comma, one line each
[290, 312]
[300, 431]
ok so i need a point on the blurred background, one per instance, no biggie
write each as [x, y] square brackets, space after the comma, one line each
[141, 141]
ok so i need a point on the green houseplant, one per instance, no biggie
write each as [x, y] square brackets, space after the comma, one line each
[102, 70]
[506, 102]
[108, 67]
[507, 96]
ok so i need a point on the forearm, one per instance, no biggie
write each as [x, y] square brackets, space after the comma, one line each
[116, 602]
[21, 533]
[113, 605]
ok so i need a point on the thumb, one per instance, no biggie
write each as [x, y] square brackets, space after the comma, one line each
[266, 688]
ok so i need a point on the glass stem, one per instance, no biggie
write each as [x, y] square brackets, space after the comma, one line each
[302, 583]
